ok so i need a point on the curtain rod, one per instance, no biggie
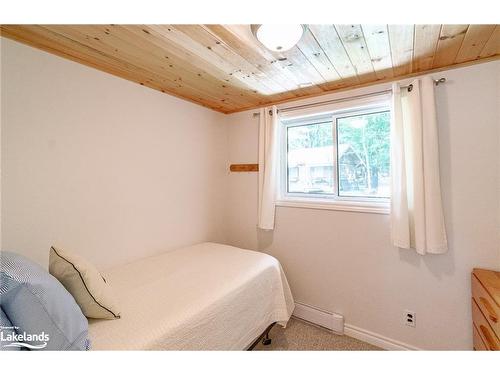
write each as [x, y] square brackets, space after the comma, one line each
[409, 88]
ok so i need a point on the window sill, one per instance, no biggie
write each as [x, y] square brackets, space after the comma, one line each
[339, 205]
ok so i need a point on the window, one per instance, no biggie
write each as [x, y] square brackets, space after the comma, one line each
[363, 154]
[342, 156]
[310, 158]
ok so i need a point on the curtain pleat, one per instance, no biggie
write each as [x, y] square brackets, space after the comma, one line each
[268, 166]
[417, 219]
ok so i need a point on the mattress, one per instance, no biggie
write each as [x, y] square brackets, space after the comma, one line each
[203, 297]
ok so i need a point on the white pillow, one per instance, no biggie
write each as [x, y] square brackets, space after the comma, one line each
[85, 283]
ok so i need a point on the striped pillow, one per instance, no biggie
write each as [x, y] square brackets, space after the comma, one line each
[44, 314]
[6, 329]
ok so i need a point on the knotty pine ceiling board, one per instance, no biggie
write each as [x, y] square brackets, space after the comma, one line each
[223, 67]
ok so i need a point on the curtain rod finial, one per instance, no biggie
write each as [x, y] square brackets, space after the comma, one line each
[440, 80]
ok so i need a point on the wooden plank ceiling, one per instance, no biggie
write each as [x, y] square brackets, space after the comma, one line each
[225, 68]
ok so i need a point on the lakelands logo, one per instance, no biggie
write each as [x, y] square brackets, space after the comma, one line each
[22, 340]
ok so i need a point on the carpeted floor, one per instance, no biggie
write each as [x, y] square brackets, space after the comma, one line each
[301, 335]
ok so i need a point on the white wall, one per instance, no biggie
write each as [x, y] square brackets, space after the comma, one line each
[103, 166]
[344, 262]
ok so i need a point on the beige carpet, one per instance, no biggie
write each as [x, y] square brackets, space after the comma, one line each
[301, 335]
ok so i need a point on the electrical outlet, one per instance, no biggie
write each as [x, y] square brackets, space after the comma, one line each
[410, 318]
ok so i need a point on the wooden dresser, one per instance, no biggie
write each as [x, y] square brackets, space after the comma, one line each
[486, 309]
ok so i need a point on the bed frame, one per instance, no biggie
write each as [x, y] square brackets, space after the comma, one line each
[266, 340]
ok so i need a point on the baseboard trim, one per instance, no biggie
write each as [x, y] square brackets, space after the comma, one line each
[376, 339]
[335, 323]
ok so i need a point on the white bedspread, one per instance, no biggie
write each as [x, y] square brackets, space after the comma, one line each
[204, 297]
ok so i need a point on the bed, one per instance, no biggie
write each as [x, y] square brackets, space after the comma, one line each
[203, 297]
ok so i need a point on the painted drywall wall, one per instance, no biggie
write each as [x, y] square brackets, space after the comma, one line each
[103, 166]
[344, 262]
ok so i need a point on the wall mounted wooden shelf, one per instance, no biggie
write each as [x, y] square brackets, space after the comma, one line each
[244, 167]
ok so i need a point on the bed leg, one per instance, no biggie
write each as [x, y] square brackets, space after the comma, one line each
[266, 340]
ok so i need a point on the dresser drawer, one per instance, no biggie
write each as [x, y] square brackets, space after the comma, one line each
[477, 340]
[486, 304]
[487, 335]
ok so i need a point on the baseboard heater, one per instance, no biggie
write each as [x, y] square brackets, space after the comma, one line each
[332, 321]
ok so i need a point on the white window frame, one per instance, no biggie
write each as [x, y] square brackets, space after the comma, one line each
[328, 201]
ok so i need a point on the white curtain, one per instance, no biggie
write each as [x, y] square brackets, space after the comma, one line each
[417, 219]
[268, 166]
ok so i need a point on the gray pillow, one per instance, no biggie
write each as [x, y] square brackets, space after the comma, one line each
[45, 313]
[6, 332]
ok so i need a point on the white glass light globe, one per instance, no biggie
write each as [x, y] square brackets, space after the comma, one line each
[279, 38]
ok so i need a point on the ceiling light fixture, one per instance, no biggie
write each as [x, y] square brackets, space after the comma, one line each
[278, 38]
